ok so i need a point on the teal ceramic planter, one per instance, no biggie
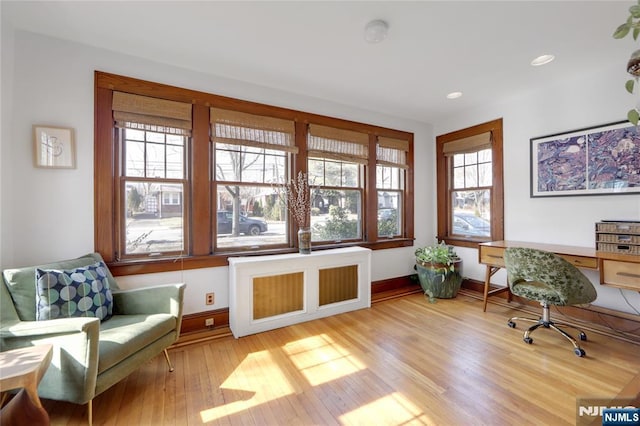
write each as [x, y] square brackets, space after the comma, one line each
[438, 281]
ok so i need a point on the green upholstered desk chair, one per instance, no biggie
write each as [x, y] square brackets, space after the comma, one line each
[89, 354]
[551, 280]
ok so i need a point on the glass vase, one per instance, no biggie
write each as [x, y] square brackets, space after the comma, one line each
[304, 240]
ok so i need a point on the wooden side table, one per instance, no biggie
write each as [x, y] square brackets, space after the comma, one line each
[24, 368]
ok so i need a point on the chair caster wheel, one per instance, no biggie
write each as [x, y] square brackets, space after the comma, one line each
[511, 324]
[579, 352]
[583, 336]
[528, 340]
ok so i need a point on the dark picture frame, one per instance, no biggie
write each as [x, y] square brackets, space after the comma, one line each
[599, 160]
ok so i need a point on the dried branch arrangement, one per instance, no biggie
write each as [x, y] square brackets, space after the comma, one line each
[296, 195]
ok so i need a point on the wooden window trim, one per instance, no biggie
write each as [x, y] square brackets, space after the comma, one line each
[497, 197]
[202, 219]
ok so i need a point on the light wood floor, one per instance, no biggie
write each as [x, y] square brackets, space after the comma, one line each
[404, 361]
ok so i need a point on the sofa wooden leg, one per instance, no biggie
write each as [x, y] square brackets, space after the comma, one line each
[90, 412]
[166, 355]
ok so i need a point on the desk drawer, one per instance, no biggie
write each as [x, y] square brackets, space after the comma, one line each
[581, 262]
[492, 256]
[621, 274]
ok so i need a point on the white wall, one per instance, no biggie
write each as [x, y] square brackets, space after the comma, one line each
[48, 214]
[592, 98]
[6, 94]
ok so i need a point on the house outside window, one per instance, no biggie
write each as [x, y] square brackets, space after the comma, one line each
[470, 187]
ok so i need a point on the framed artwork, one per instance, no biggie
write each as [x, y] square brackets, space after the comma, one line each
[54, 147]
[593, 161]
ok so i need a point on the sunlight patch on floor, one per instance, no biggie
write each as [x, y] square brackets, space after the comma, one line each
[321, 360]
[259, 374]
[390, 409]
[224, 410]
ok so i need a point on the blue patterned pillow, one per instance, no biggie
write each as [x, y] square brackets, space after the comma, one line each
[80, 292]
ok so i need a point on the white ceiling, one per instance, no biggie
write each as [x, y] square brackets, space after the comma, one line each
[317, 48]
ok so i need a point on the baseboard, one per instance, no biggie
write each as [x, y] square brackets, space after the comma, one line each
[197, 322]
[393, 287]
[194, 325]
[619, 323]
[202, 336]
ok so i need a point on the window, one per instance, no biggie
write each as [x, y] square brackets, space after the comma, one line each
[180, 173]
[335, 162]
[252, 153]
[470, 189]
[171, 198]
[391, 163]
[152, 174]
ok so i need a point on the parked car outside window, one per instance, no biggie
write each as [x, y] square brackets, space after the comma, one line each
[248, 226]
[387, 213]
[470, 224]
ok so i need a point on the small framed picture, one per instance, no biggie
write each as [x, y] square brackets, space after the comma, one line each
[54, 147]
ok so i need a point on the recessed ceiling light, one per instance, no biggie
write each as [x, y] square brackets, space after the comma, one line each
[454, 95]
[542, 60]
[376, 31]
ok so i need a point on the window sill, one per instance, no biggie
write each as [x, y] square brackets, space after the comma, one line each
[138, 266]
[148, 266]
[464, 242]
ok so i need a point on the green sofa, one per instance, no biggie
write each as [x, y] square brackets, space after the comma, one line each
[90, 355]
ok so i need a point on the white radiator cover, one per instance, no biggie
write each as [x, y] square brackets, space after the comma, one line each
[243, 271]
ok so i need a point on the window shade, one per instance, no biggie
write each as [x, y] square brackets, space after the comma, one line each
[146, 113]
[392, 152]
[240, 128]
[337, 144]
[469, 144]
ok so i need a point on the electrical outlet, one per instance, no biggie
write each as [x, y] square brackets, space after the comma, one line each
[208, 322]
[209, 298]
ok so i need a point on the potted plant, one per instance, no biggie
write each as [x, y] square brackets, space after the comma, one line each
[632, 26]
[438, 268]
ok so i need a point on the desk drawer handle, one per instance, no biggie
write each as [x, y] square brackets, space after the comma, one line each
[494, 256]
[628, 274]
